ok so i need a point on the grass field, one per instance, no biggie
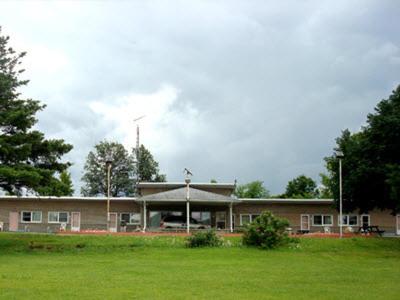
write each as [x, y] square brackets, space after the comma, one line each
[123, 267]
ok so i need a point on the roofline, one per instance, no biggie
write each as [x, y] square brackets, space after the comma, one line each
[286, 200]
[233, 200]
[66, 198]
[194, 184]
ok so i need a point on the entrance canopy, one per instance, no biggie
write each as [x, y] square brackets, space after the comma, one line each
[192, 194]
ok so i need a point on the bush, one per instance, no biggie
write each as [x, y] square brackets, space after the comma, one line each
[266, 231]
[203, 239]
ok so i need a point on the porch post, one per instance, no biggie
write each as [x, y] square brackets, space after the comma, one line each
[187, 216]
[144, 216]
[230, 217]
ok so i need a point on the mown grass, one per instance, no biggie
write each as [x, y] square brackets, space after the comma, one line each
[110, 267]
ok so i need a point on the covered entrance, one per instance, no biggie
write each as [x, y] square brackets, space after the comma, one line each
[186, 209]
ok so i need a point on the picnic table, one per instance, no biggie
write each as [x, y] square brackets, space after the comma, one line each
[370, 229]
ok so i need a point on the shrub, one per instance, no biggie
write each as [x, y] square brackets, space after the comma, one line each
[266, 231]
[203, 239]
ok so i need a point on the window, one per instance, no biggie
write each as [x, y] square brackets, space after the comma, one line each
[31, 217]
[349, 220]
[365, 220]
[131, 218]
[247, 218]
[322, 220]
[58, 217]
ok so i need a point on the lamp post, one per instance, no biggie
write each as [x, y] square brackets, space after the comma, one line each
[108, 165]
[340, 155]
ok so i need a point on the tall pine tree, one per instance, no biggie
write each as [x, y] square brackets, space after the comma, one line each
[27, 159]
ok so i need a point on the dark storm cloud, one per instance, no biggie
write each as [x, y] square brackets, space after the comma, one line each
[246, 89]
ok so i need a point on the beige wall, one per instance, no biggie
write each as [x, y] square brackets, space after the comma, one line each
[93, 213]
[293, 213]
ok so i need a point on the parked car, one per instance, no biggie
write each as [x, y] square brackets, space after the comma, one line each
[179, 222]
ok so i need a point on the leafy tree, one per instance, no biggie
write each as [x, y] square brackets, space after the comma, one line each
[95, 171]
[301, 187]
[371, 163]
[325, 190]
[212, 180]
[123, 174]
[253, 189]
[27, 159]
[148, 167]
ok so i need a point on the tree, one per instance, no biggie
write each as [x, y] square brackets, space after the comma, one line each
[301, 187]
[27, 159]
[325, 190]
[122, 170]
[371, 163]
[123, 173]
[148, 167]
[212, 180]
[253, 189]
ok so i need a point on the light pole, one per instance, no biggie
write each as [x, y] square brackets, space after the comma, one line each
[340, 155]
[108, 165]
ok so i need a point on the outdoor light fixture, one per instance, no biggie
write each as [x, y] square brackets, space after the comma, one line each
[340, 156]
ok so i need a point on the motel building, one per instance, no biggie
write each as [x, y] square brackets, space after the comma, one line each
[206, 205]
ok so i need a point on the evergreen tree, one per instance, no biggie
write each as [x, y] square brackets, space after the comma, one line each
[27, 159]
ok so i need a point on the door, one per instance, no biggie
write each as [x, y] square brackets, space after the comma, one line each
[13, 224]
[305, 222]
[398, 224]
[75, 221]
[112, 227]
[220, 219]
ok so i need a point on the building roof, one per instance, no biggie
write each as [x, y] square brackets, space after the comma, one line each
[286, 200]
[180, 194]
[172, 185]
[65, 198]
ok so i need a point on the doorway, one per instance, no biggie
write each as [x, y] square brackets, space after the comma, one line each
[75, 221]
[305, 222]
[113, 222]
[13, 225]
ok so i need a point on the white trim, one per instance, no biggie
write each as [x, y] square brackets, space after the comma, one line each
[322, 219]
[131, 213]
[348, 220]
[398, 224]
[31, 211]
[301, 221]
[58, 217]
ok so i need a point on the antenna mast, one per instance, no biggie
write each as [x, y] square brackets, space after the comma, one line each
[137, 149]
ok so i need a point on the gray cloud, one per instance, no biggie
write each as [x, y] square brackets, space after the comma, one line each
[262, 88]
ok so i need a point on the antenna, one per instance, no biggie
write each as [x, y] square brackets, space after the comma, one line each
[137, 147]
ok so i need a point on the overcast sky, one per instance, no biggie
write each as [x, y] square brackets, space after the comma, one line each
[246, 90]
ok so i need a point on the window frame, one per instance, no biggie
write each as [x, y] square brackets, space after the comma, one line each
[241, 219]
[348, 220]
[250, 215]
[31, 213]
[322, 220]
[58, 217]
[369, 219]
[130, 217]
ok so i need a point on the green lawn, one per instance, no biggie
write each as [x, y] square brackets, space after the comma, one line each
[111, 267]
